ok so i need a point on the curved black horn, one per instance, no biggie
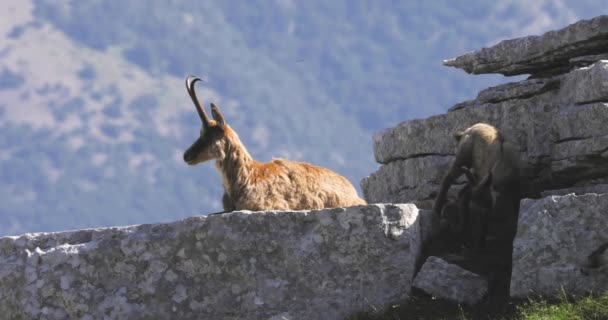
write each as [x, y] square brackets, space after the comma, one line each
[201, 112]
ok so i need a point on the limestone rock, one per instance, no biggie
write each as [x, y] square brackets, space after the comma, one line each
[450, 282]
[555, 235]
[583, 61]
[518, 90]
[580, 103]
[243, 265]
[538, 54]
[402, 181]
[558, 123]
[580, 190]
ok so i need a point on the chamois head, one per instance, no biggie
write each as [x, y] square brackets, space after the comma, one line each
[209, 144]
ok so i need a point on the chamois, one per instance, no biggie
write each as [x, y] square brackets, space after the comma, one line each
[483, 149]
[250, 185]
[479, 208]
[471, 209]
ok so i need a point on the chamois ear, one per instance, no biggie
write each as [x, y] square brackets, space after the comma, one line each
[217, 115]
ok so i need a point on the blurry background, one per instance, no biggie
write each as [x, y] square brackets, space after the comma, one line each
[94, 116]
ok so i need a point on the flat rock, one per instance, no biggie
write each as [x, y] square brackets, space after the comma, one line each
[578, 108]
[450, 282]
[580, 190]
[555, 235]
[323, 264]
[559, 125]
[403, 181]
[583, 61]
[537, 54]
[518, 90]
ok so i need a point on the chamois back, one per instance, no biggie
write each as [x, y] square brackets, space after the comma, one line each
[250, 185]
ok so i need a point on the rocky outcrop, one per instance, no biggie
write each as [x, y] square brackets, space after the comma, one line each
[593, 188]
[558, 119]
[559, 123]
[450, 282]
[551, 52]
[242, 265]
[555, 236]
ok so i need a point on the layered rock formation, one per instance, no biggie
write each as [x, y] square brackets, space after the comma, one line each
[552, 53]
[559, 122]
[559, 119]
[242, 265]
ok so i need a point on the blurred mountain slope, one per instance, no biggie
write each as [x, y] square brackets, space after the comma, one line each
[94, 116]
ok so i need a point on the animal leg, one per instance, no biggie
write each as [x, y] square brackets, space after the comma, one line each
[227, 203]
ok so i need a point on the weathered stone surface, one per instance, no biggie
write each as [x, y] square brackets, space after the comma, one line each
[518, 90]
[580, 122]
[555, 235]
[450, 282]
[243, 265]
[582, 96]
[513, 90]
[402, 181]
[586, 85]
[582, 147]
[534, 54]
[580, 190]
[562, 138]
[583, 61]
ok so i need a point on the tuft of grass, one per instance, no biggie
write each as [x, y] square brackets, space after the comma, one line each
[586, 308]
[594, 307]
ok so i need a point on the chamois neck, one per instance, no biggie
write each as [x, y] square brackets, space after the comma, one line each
[237, 165]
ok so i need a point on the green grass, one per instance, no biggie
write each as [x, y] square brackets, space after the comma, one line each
[593, 307]
[587, 308]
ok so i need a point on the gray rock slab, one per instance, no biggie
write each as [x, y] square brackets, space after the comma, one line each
[579, 104]
[580, 147]
[583, 61]
[450, 282]
[576, 122]
[559, 125]
[403, 181]
[518, 90]
[323, 264]
[586, 85]
[580, 190]
[534, 54]
[555, 235]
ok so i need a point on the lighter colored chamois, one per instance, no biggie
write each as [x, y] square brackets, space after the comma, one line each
[250, 185]
[482, 148]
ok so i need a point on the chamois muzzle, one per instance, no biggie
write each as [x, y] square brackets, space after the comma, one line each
[191, 155]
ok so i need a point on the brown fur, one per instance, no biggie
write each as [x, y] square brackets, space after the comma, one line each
[467, 217]
[482, 148]
[478, 210]
[276, 185]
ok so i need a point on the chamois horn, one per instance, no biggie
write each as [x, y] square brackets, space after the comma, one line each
[201, 112]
